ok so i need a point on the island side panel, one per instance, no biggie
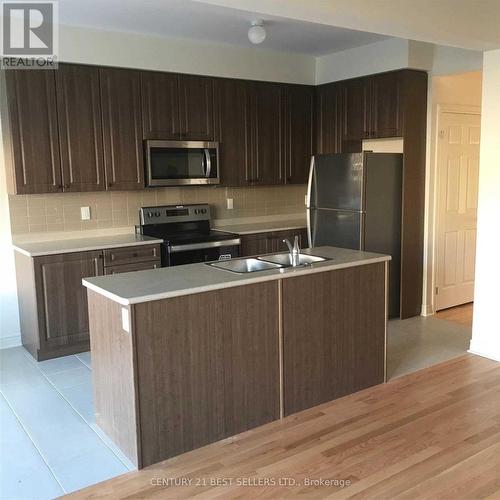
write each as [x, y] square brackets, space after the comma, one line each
[113, 375]
[208, 367]
[333, 334]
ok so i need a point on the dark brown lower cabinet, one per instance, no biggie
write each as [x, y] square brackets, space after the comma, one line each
[333, 335]
[53, 302]
[270, 242]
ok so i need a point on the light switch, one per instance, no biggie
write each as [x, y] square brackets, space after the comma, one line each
[229, 203]
[85, 213]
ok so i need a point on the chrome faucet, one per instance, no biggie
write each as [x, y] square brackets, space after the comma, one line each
[294, 250]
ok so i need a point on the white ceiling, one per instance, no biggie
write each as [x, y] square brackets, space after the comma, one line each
[469, 24]
[201, 21]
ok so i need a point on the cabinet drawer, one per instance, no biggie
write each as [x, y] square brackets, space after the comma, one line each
[131, 255]
[127, 268]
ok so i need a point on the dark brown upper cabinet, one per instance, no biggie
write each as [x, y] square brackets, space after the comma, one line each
[298, 140]
[371, 107]
[356, 110]
[328, 109]
[386, 119]
[196, 108]
[29, 119]
[178, 107]
[122, 128]
[234, 131]
[80, 129]
[160, 105]
[266, 134]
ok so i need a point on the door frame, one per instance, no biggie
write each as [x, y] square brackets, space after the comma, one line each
[433, 202]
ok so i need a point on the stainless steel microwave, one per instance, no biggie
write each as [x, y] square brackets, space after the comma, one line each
[177, 163]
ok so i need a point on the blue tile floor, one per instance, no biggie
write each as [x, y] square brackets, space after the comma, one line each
[49, 443]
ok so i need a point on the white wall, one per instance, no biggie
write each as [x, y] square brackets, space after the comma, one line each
[108, 48]
[449, 60]
[486, 330]
[393, 54]
[373, 58]
[9, 316]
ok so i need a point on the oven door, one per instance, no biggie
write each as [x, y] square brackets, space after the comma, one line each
[176, 163]
[203, 252]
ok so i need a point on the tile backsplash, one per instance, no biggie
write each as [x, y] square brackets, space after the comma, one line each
[61, 212]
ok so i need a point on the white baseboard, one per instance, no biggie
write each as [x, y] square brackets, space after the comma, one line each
[12, 341]
[493, 357]
[427, 310]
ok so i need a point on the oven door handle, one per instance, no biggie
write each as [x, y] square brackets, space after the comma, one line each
[208, 163]
[200, 246]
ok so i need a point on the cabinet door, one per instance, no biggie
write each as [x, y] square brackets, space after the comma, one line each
[62, 299]
[196, 108]
[356, 101]
[333, 334]
[299, 103]
[122, 130]
[80, 129]
[31, 97]
[328, 119]
[267, 140]
[234, 130]
[386, 110]
[160, 105]
[255, 244]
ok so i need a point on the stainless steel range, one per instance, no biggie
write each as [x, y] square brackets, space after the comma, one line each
[187, 236]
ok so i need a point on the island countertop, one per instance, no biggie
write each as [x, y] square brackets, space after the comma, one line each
[146, 286]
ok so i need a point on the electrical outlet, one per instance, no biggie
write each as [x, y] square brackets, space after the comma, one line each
[229, 203]
[85, 213]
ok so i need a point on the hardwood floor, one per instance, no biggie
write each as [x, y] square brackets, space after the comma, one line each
[431, 434]
[460, 314]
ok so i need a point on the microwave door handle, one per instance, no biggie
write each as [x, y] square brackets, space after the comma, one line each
[208, 163]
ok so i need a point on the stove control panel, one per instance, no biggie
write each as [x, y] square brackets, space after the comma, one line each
[174, 213]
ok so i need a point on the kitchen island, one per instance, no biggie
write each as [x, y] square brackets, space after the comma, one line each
[189, 355]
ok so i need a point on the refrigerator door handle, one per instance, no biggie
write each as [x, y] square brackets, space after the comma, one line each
[309, 183]
[309, 230]
[362, 232]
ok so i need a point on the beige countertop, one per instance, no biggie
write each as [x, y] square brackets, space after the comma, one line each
[262, 227]
[167, 282]
[38, 249]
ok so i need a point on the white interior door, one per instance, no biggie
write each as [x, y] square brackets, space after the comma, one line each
[458, 171]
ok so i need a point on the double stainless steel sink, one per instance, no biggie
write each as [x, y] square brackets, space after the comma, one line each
[265, 263]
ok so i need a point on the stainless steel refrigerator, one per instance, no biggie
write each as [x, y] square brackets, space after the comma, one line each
[354, 201]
